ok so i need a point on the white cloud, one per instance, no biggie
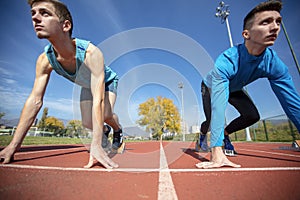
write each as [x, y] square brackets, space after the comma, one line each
[8, 81]
[60, 108]
[3, 71]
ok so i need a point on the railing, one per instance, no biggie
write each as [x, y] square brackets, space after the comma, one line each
[277, 128]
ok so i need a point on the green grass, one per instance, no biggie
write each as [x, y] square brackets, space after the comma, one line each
[273, 136]
[30, 140]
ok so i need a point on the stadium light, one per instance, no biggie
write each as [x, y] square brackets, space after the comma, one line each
[223, 12]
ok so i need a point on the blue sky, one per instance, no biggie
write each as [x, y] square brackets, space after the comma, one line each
[152, 45]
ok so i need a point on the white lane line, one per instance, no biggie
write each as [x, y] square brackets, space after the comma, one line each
[274, 153]
[145, 170]
[166, 189]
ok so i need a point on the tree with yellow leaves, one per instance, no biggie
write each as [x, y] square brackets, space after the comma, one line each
[159, 116]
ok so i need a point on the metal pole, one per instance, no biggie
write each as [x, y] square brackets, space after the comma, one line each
[291, 48]
[229, 32]
[180, 86]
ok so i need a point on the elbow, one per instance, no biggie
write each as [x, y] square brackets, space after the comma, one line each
[38, 104]
[35, 103]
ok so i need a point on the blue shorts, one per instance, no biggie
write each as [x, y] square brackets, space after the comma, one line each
[110, 86]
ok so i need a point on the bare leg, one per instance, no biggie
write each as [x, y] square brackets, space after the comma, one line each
[218, 159]
[97, 154]
[109, 116]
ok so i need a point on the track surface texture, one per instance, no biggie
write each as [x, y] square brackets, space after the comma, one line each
[152, 170]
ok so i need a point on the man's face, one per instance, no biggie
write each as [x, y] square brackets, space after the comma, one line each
[45, 21]
[265, 28]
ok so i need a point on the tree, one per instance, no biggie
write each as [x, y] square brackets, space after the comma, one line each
[75, 128]
[159, 116]
[42, 122]
[54, 124]
[1, 114]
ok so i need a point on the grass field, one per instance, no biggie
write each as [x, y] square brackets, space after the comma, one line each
[239, 136]
[31, 140]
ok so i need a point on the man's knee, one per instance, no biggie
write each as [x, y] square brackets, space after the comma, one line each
[87, 124]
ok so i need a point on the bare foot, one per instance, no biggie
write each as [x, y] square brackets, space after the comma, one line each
[97, 154]
[218, 159]
[7, 155]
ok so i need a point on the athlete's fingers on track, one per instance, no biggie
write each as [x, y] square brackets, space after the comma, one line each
[4, 159]
[210, 165]
[101, 156]
[91, 162]
[201, 165]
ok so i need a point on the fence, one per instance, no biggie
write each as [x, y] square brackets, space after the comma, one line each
[273, 129]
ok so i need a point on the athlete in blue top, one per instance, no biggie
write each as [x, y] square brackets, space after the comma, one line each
[79, 61]
[239, 66]
[82, 77]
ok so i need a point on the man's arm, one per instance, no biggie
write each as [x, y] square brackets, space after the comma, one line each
[288, 97]
[219, 101]
[94, 61]
[220, 76]
[31, 107]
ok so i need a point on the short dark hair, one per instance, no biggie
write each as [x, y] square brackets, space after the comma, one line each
[61, 10]
[275, 5]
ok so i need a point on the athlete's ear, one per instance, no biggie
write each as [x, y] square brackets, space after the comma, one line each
[246, 34]
[67, 26]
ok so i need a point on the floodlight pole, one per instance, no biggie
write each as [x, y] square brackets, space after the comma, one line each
[180, 86]
[291, 47]
[223, 12]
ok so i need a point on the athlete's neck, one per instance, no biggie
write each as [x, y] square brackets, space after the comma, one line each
[64, 47]
[255, 50]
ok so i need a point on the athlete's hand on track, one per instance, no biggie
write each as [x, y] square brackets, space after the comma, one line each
[218, 159]
[97, 154]
[7, 155]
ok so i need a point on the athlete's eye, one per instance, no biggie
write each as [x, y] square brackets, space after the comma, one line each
[32, 13]
[266, 22]
[45, 13]
[278, 21]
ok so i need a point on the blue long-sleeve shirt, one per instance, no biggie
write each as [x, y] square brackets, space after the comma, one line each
[236, 68]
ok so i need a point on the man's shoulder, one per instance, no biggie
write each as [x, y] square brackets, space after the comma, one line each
[229, 55]
[43, 61]
[82, 42]
[92, 49]
[271, 53]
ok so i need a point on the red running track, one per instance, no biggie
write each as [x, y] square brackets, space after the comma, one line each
[147, 171]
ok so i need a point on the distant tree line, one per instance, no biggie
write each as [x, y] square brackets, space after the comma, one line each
[74, 128]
